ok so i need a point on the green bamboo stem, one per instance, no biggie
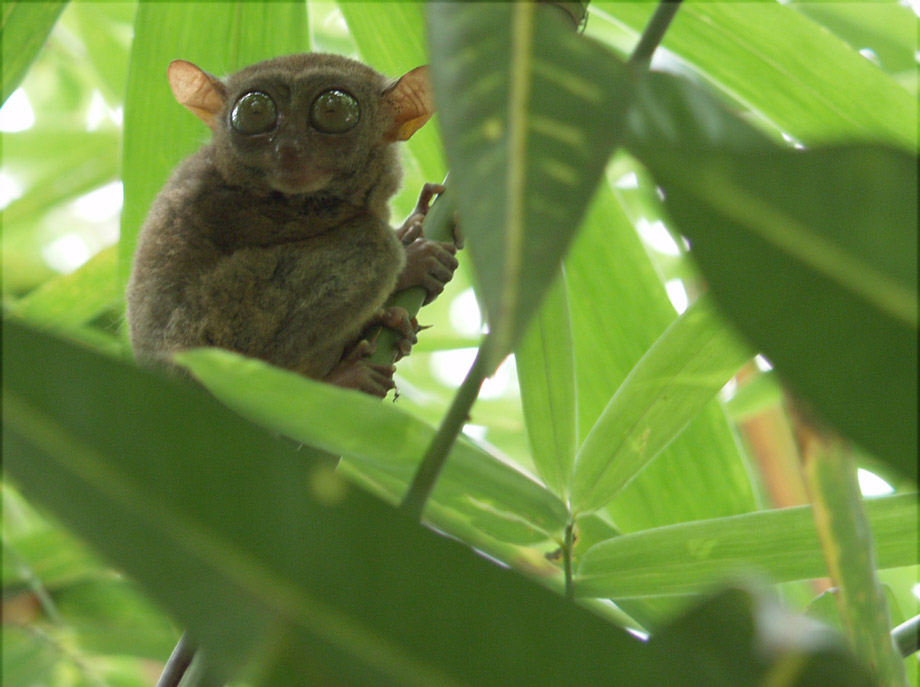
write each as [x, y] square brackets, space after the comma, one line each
[846, 540]
[654, 32]
[906, 636]
[413, 503]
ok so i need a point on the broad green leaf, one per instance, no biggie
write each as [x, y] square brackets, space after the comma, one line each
[790, 71]
[887, 29]
[76, 298]
[779, 544]
[379, 434]
[846, 542]
[813, 255]
[674, 380]
[619, 309]
[546, 373]
[105, 29]
[220, 37]
[24, 27]
[253, 548]
[529, 112]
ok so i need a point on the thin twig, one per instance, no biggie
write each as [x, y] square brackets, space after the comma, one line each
[178, 662]
[906, 636]
[413, 503]
[654, 32]
[567, 547]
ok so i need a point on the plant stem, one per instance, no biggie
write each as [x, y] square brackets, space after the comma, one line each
[654, 32]
[178, 662]
[846, 540]
[427, 474]
[906, 636]
[567, 546]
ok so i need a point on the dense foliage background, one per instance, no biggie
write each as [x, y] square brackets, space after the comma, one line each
[286, 572]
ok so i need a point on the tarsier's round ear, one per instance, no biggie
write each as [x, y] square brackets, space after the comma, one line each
[411, 102]
[196, 90]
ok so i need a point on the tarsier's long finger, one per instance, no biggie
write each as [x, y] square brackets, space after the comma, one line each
[429, 191]
[410, 231]
[379, 379]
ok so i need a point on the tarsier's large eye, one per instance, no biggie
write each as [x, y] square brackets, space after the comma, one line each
[254, 113]
[334, 112]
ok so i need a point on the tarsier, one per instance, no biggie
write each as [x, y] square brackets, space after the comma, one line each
[274, 239]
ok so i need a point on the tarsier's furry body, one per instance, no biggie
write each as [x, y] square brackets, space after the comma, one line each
[274, 239]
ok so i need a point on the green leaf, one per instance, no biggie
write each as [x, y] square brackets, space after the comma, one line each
[795, 74]
[529, 113]
[220, 37]
[24, 28]
[813, 255]
[888, 29]
[780, 544]
[619, 309]
[74, 299]
[110, 616]
[546, 373]
[266, 558]
[674, 380]
[356, 425]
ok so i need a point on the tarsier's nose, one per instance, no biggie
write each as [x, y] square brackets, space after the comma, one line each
[289, 154]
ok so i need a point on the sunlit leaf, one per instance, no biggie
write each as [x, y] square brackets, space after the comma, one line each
[798, 76]
[546, 372]
[76, 298]
[780, 544]
[23, 30]
[674, 380]
[619, 309]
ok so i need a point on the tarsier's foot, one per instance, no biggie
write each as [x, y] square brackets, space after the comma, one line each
[398, 318]
[355, 371]
[429, 264]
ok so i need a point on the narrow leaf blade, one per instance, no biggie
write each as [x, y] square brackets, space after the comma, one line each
[780, 544]
[674, 380]
[23, 32]
[546, 373]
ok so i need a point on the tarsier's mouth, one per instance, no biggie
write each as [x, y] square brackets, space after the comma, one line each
[299, 180]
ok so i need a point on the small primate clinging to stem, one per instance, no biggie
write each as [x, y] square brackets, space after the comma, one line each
[274, 239]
